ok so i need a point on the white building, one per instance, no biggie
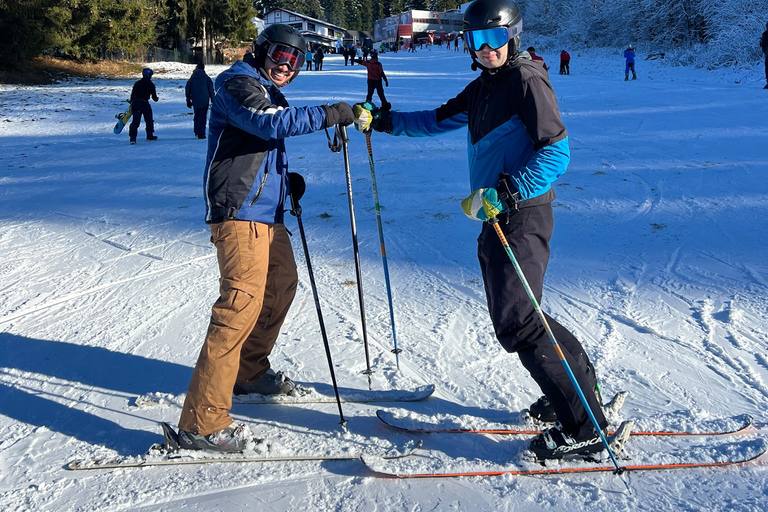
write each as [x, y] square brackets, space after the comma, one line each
[316, 32]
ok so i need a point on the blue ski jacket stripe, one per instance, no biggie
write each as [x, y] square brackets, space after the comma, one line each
[514, 128]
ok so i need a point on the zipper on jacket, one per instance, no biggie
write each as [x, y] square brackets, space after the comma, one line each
[261, 188]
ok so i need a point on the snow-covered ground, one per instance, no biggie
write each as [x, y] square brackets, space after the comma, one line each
[659, 265]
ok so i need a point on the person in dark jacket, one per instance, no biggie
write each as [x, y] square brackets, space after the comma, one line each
[199, 93]
[629, 58]
[375, 77]
[565, 63]
[319, 56]
[246, 184]
[764, 47]
[517, 142]
[140, 94]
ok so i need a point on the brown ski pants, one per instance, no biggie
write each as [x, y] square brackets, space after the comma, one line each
[257, 286]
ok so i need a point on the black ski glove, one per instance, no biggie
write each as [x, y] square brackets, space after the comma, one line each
[189, 103]
[382, 118]
[338, 113]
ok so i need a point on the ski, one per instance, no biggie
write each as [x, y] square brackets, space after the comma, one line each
[168, 454]
[305, 395]
[745, 425]
[380, 467]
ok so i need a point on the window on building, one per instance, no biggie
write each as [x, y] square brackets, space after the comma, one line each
[297, 26]
[311, 26]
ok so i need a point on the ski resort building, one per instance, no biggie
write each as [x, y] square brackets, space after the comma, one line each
[316, 32]
[419, 25]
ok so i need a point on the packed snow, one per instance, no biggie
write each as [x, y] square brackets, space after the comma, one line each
[659, 265]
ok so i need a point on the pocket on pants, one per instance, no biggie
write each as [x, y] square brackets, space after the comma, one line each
[232, 309]
[235, 243]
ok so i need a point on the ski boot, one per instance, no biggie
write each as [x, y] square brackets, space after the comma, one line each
[554, 443]
[634, 75]
[151, 137]
[543, 411]
[133, 143]
[270, 383]
[230, 439]
[626, 77]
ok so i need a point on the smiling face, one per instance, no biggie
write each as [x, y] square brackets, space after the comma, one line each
[490, 58]
[279, 75]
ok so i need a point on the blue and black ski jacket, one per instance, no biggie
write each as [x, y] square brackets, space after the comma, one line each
[246, 170]
[514, 128]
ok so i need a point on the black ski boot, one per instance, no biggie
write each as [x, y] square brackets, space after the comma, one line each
[543, 411]
[554, 443]
[151, 137]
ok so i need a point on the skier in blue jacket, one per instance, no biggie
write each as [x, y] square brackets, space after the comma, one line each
[246, 183]
[629, 58]
[516, 139]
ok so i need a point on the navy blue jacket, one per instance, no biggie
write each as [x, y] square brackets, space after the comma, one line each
[199, 89]
[246, 170]
[514, 127]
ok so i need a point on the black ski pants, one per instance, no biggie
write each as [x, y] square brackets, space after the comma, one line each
[766, 68]
[517, 325]
[375, 85]
[200, 121]
[141, 108]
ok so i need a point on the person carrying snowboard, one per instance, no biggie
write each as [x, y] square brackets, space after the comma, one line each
[511, 112]
[375, 77]
[140, 94]
[246, 183]
[199, 93]
[629, 58]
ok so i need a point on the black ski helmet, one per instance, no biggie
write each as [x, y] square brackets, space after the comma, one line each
[482, 14]
[277, 33]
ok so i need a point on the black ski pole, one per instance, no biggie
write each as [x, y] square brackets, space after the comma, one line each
[341, 135]
[297, 187]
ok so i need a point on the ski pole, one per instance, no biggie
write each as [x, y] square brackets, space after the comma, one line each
[341, 135]
[377, 207]
[495, 223]
[297, 187]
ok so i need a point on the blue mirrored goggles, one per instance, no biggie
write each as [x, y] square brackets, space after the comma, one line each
[494, 37]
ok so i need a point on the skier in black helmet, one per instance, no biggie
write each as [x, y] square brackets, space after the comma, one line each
[246, 183]
[140, 94]
[517, 140]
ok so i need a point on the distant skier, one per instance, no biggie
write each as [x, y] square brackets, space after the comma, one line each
[764, 46]
[514, 128]
[565, 63]
[629, 57]
[318, 58]
[199, 93]
[375, 77]
[532, 52]
[246, 185]
[140, 94]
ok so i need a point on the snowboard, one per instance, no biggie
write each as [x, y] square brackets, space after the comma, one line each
[122, 119]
